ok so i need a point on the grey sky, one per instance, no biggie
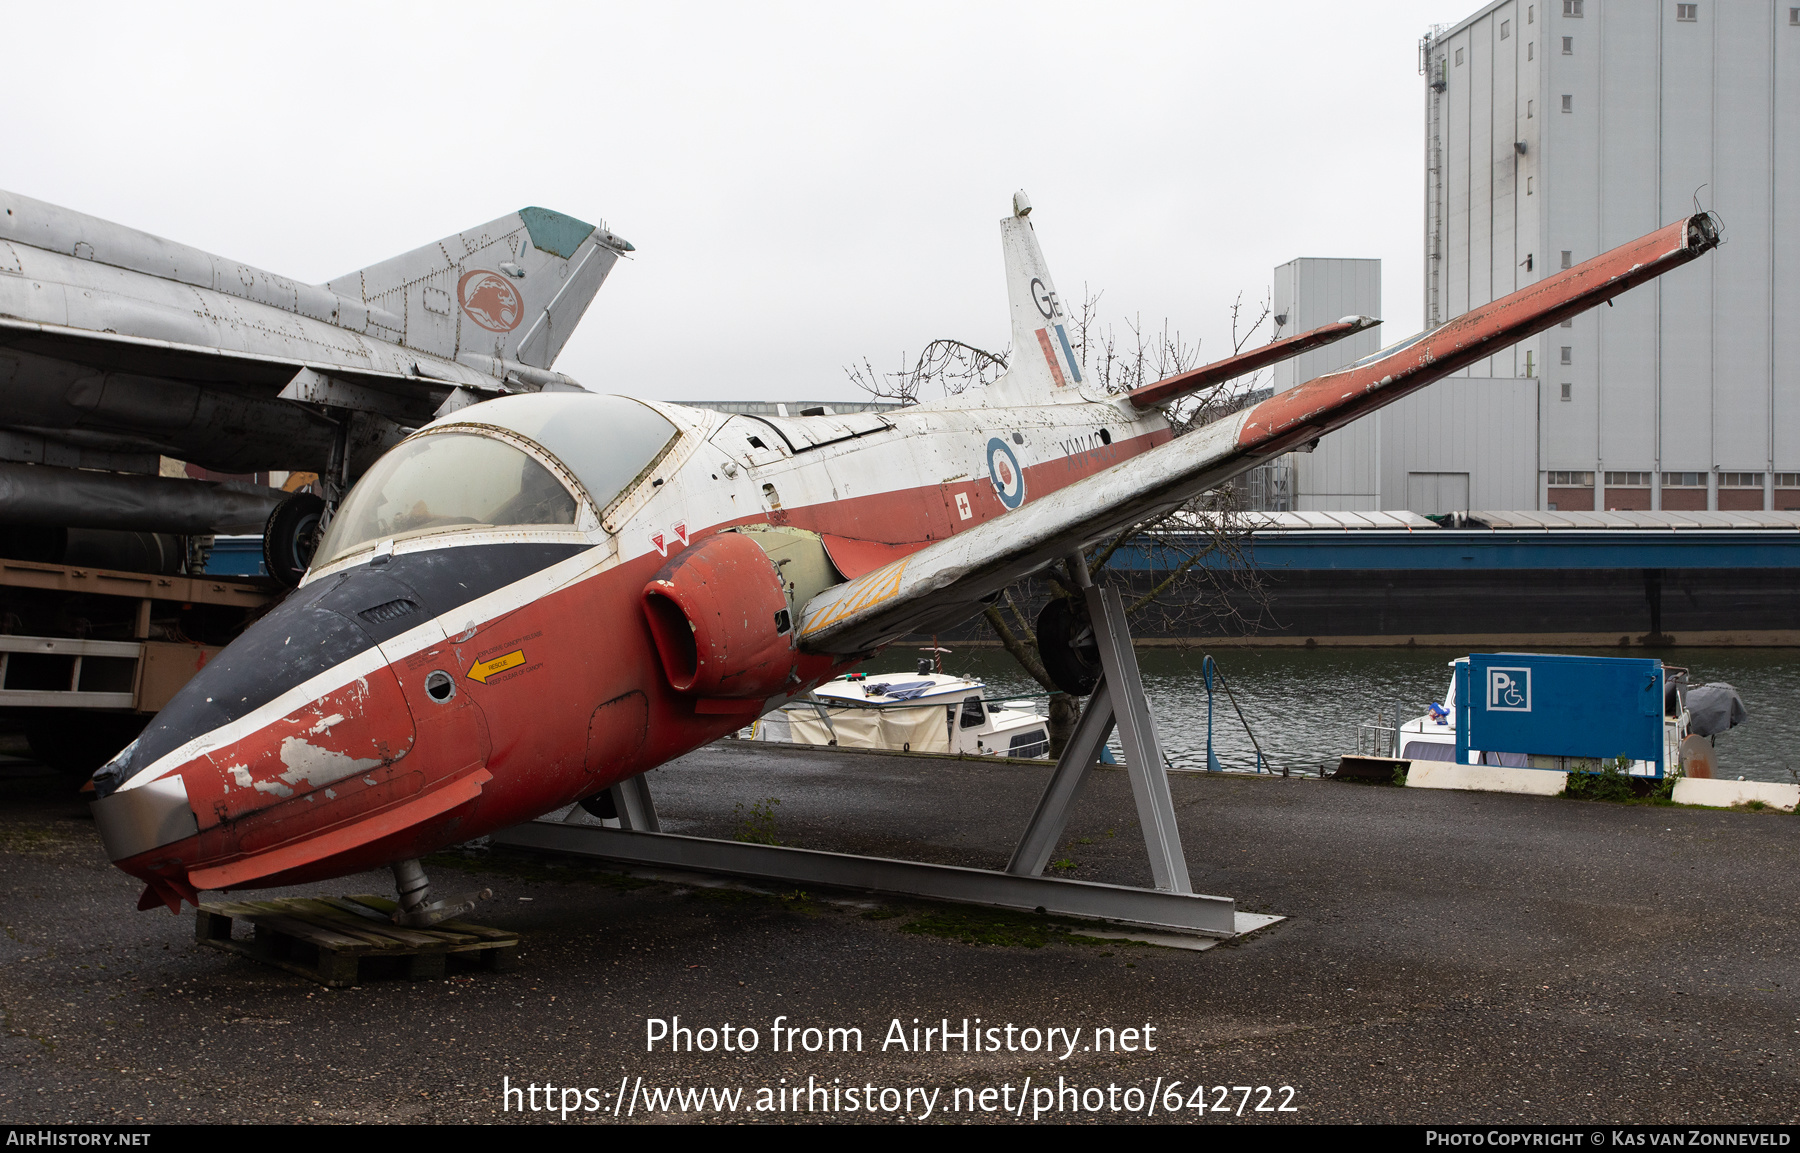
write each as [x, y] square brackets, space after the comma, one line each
[807, 184]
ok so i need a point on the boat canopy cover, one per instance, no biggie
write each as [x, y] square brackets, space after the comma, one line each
[900, 690]
[1714, 708]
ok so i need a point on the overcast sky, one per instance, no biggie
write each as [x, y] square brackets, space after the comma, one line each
[807, 184]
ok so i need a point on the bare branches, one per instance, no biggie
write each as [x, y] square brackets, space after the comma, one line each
[1022, 651]
[952, 365]
[1249, 329]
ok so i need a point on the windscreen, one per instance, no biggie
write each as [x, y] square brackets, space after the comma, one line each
[443, 481]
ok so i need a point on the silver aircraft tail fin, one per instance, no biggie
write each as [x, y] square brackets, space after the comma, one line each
[513, 288]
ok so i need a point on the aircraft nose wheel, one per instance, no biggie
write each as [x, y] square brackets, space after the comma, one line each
[417, 910]
[291, 535]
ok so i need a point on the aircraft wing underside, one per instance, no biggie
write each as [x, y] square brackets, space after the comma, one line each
[946, 582]
[410, 398]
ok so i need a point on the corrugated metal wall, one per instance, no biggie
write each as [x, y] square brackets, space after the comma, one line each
[1622, 129]
[1344, 472]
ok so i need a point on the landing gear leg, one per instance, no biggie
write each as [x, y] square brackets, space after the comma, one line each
[417, 910]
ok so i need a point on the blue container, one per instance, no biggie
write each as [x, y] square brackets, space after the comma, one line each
[240, 556]
[1560, 706]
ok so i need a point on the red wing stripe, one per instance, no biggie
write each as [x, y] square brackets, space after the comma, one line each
[1330, 402]
[344, 838]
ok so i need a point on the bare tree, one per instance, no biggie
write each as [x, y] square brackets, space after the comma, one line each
[952, 365]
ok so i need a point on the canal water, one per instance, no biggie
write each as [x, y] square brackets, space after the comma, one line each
[1304, 705]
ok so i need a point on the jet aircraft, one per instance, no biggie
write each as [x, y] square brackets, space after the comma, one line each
[534, 598]
[117, 347]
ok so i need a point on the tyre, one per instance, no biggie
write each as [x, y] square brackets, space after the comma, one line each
[291, 536]
[1067, 647]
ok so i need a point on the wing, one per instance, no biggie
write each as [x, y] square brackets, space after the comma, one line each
[946, 582]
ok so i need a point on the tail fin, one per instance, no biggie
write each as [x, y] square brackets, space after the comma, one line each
[513, 288]
[1044, 365]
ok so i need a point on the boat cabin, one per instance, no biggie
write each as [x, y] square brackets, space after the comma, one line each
[923, 712]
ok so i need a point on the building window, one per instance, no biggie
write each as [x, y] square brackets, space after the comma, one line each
[1506, 27]
[1568, 45]
[1568, 104]
[1569, 323]
[1684, 480]
[1568, 355]
[1788, 479]
[1572, 9]
[1528, 186]
[1687, 12]
[1572, 479]
[1531, 13]
[1567, 391]
[1459, 57]
[1740, 480]
[1531, 49]
[1529, 106]
[1628, 479]
[1568, 258]
[1794, 17]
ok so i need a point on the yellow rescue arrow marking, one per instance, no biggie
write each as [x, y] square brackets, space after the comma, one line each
[482, 670]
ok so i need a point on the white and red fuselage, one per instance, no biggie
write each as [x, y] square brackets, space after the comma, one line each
[313, 746]
[534, 598]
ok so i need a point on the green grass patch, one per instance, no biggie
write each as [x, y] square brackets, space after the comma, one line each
[1015, 930]
[32, 839]
[756, 827]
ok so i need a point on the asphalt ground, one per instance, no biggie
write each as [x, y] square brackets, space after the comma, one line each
[1446, 957]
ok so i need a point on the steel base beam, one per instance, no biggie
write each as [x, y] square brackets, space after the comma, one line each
[1122, 904]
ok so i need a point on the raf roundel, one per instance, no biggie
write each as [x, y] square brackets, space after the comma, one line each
[1004, 471]
[490, 300]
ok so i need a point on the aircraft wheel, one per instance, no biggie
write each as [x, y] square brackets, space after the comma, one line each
[290, 537]
[1067, 647]
[600, 805]
[76, 743]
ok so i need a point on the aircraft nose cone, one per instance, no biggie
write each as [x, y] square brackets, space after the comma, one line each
[301, 701]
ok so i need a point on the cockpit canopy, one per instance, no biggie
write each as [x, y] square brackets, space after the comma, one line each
[460, 473]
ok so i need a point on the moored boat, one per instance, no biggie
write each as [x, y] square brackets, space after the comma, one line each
[921, 712]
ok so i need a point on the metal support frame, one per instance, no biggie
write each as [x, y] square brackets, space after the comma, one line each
[631, 800]
[1128, 710]
[1118, 701]
[1182, 912]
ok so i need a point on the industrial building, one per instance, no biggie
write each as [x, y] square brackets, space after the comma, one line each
[1555, 130]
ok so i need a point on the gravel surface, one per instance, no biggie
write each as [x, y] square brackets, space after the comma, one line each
[1446, 957]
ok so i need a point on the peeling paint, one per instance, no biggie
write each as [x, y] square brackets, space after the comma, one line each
[316, 766]
[324, 726]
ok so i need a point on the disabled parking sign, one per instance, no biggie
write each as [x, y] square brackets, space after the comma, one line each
[1509, 690]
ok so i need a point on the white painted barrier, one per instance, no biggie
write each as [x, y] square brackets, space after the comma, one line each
[1724, 794]
[1485, 778]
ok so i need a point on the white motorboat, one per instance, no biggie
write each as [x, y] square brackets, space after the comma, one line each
[921, 712]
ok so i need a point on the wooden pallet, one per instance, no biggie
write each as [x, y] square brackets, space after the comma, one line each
[328, 938]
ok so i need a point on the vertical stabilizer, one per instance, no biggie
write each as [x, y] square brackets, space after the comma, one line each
[1044, 362]
[513, 288]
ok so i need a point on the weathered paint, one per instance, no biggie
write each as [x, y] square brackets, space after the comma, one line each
[1232, 367]
[195, 349]
[560, 688]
